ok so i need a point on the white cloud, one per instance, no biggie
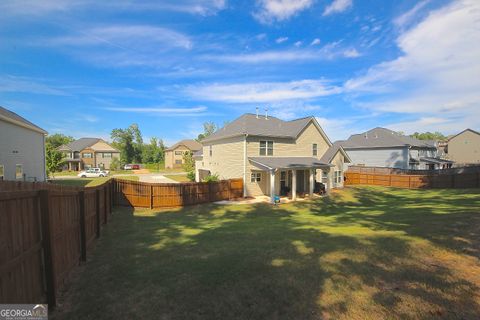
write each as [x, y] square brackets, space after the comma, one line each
[437, 74]
[279, 10]
[262, 91]
[315, 42]
[9, 83]
[337, 6]
[281, 39]
[445, 125]
[298, 44]
[328, 52]
[409, 16]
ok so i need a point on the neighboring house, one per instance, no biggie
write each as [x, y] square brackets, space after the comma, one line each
[382, 147]
[87, 153]
[464, 148]
[274, 157]
[174, 154]
[22, 148]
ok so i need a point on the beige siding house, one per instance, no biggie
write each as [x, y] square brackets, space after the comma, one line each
[272, 156]
[174, 154]
[22, 148]
[87, 153]
[464, 148]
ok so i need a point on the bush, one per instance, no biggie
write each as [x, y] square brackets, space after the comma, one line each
[115, 164]
[191, 175]
[211, 178]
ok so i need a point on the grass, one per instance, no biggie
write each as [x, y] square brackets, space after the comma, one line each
[90, 182]
[362, 253]
[178, 177]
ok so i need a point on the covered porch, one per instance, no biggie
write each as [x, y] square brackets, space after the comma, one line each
[293, 177]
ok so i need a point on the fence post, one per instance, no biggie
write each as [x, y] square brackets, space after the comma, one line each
[97, 214]
[151, 196]
[47, 248]
[105, 200]
[83, 238]
[453, 180]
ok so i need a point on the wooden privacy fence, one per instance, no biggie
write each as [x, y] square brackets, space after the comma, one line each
[45, 231]
[463, 180]
[150, 195]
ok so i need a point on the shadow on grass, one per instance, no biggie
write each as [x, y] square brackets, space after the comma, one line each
[287, 262]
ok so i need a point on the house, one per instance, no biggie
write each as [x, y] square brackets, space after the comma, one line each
[272, 156]
[22, 148]
[381, 147]
[174, 154]
[464, 148]
[87, 153]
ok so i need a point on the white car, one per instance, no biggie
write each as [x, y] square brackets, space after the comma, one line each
[93, 173]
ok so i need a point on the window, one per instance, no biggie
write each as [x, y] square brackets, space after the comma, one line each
[256, 177]
[324, 177]
[178, 153]
[314, 149]
[87, 155]
[266, 148]
[106, 155]
[178, 161]
[338, 177]
[210, 151]
[18, 171]
[2, 172]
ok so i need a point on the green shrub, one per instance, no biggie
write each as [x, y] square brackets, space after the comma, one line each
[115, 164]
[191, 175]
[211, 178]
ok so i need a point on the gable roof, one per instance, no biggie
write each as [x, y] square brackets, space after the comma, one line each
[14, 118]
[332, 152]
[468, 129]
[189, 143]
[80, 144]
[250, 124]
[382, 138]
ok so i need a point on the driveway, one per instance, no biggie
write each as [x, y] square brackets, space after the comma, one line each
[155, 178]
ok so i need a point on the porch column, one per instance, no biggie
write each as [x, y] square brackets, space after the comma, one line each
[272, 186]
[312, 180]
[329, 180]
[294, 185]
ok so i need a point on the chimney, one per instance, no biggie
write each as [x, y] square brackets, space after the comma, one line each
[266, 113]
[257, 112]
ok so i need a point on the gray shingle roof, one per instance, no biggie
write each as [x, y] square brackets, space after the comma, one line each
[287, 162]
[251, 125]
[80, 144]
[12, 116]
[189, 143]
[332, 151]
[381, 138]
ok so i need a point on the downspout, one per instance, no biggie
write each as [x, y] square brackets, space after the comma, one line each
[408, 157]
[44, 159]
[245, 166]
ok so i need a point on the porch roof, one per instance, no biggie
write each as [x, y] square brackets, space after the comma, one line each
[271, 163]
[435, 160]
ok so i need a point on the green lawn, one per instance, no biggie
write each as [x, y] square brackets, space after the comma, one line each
[90, 182]
[178, 177]
[363, 253]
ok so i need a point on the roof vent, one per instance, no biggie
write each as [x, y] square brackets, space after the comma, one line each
[266, 113]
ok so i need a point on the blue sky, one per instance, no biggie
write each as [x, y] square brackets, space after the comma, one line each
[84, 67]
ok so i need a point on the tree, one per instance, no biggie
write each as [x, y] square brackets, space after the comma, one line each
[154, 152]
[54, 159]
[189, 165]
[58, 139]
[429, 136]
[208, 129]
[130, 143]
[115, 164]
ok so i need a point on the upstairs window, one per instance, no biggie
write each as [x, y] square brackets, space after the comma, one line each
[210, 151]
[314, 149]
[266, 148]
[178, 153]
[18, 171]
[87, 155]
[107, 155]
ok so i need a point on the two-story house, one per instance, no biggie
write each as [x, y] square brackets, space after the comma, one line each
[381, 147]
[174, 154]
[87, 153]
[272, 156]
[22, 148]
[464, 148]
